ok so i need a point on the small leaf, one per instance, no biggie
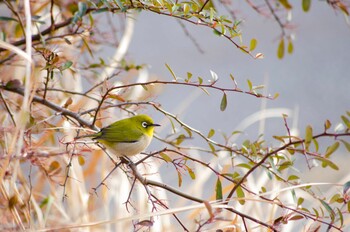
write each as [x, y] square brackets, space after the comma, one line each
[44, 202]
[240, 194]
[81, 160]
[327, 125]
[65, 65]
[116, 97]
[290, 47]
[223, 103]
[250, 85]
[328, 208]
[335, 198]
[346, 144]
[211, 133]
[186, 8]
[253, 44]
[189, 76]
[165, 157]
[315, 144]
[191, 173]
[54, 165]
[293, 177]
[179, 178]
[244, 165]
[300, 201]
[218, 189]
[326, 162]
[171, 71]
[341, 218]
[67, 41]
[308, 136]
[296, 217]
[4, 18]
[200, 80]
[331, 149]
[280, 49]
[346, 187]
[180, 139]
[306, 5]
[346, 121]
[286, 4]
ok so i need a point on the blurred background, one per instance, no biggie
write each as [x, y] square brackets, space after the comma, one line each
[313, 82]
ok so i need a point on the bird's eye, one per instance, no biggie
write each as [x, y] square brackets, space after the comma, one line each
[144, 124]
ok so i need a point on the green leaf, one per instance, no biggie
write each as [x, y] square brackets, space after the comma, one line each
[326, 162]
[165, 157]
[65, 65]
[335, 198]
[315, 144]
[180, 139]
[306, 5]
[120, 5]
[244, 165]
[346, 187]
[300, 201]
[186, 8]
[240, 194]
[211, 14]
[253, 44]
[218, 189]
[212, 148]
[331, 149]
[250, 85]
[341, 218]
[328, 208]
[346, 121]
[211, 133]
[171, 71]
[200, 80]
[308, 137]
[3, 18]
[223, 103]
[189, 76]
[191, 172]
[82, 8]
[346, 144]
[290, 48]
[327, 125]
[280, 49]
[293, 177]
[44, 202]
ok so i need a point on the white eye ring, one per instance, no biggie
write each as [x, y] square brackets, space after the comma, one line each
[144, 124]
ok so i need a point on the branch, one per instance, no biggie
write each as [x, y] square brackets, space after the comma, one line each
[53, 106]
[324, 134]
[146, 181]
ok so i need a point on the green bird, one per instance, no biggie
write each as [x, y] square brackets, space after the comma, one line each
[126, 137]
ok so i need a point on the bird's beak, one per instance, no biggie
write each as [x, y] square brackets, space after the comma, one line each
[155, 124]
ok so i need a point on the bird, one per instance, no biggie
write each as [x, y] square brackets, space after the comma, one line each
[126, 137]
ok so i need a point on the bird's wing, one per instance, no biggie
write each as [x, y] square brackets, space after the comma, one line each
[120, 133]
